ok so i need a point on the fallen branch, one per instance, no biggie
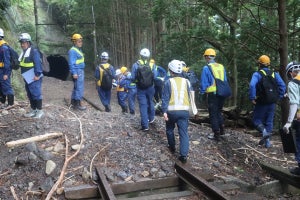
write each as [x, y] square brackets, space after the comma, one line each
[67, 159]
[260, 153]
[12, 189]
[33, 139]
[91, 165]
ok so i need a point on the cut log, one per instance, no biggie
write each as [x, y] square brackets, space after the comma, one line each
[33, 139]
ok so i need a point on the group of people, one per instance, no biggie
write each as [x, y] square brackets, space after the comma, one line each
[150, 83]
[31, 70]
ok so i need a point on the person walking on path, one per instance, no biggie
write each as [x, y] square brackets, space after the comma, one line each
[264, 108]
[122, 91]
[5, 72]
[131, 91]
[105, 74]
[208, 92]
[175, 108]
[76, 67]
[144, 77]
[293, 93]
[32, 72]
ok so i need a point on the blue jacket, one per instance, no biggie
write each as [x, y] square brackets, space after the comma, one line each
[256, 77]
[34, 57]
[207, 78]
[73, 56]
[5, 59]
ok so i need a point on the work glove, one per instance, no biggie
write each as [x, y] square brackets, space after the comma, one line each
[286, 127]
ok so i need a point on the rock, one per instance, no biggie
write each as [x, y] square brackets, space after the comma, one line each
[85, 175]
[22, 159]
[145, 173]
[58, 147]
[32, 156]
[75, 147]
[31, 147]
[45, 155]
[122, 175]
[50, 166]
[47, 184]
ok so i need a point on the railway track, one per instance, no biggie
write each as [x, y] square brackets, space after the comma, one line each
[187, 184]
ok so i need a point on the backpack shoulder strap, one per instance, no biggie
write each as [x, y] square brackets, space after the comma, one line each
[210, 69]
[296, 81]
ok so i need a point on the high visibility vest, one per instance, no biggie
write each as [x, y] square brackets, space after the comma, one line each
[80, 60]
[101, 71]
[218, 72]
[179, 99]
[26, 62]
[1, 43]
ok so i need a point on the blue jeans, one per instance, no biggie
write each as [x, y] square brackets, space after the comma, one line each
[263, 115]
[104, 95]
[131, 99]
[215, 106]
[78, 88]
[146, 105]
[181, 118]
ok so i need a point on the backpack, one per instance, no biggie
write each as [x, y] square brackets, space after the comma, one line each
[223, 87]
[192, 77]
[106, 80]
[14, 58]
[267, 89]
[144, 76]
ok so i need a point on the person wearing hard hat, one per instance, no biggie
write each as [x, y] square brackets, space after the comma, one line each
[122, 91]
[293, 121]
[144, 77]
[105, 74]
[158, 82]
[132, 91]
[208, 91]
[264, 108]
[6, 89]
[32, 72]
[175, 108]
[190, 75]
[76, 67]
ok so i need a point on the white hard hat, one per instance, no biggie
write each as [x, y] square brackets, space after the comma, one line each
[1, 32]
[145, 53]
[104, 56]
[25, 37]
[118, 72]
[175, 66]
[292, 66]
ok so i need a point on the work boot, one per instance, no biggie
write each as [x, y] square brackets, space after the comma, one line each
[31, 113]
[124, 109]
[107, 108]
[38, 114]
[73, 102]
[10, 99]
[265, 136]
[3, 99]
[222, 130]
[215, 136]
[79, 106]
[183, 159]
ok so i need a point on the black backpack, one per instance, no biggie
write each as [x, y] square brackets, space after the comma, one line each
[144, 76]
[267, 89]
[191, 76]
[14, 58]
[107, 78]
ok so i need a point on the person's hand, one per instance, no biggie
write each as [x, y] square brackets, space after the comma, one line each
[75, 76]
[166, 117]
[286, 127]
[253, 101]
[5, 77]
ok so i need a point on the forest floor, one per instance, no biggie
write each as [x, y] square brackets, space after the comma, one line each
[114, 142]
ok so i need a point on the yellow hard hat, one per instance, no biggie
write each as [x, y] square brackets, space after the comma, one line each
[76, 36]
[265, 60]
[209, 52]
[185, 69]
[123, 69]
[152, 60]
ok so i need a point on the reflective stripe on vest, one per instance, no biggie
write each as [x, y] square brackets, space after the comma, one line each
[218, 72]
[120, 89]
[80, 60]
[26, 64]
[263, 71]
[179, 99]
[1, 64]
